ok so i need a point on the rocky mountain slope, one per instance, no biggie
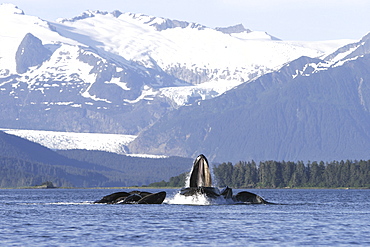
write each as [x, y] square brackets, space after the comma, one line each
[310, 109]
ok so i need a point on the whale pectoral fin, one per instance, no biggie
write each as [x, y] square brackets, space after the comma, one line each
[189, 191]
[246, 196]
[156, 198]
[210, 192]
[227, 193]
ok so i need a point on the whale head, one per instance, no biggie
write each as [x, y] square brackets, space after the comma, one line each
[200, 174]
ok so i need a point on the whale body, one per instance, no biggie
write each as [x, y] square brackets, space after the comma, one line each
[201, 183]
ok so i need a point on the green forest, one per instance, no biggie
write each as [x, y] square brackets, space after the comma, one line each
[274, 174]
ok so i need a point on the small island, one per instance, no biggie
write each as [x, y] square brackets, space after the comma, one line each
[44, 185]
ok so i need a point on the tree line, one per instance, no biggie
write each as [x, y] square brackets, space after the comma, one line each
[274, 174]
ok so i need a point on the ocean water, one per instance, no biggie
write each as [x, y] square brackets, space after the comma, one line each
[67, 217]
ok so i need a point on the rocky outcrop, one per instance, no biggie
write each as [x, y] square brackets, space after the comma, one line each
[30, 53]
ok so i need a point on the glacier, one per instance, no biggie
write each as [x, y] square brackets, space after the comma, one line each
[56, 140]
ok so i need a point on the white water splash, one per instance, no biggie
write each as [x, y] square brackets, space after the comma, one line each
[187, 179]
[197, 199]
[59, 203]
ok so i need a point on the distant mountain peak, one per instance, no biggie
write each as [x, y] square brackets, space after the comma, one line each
[366, 38]
[351, 51]
[8, 8]
[239, 28]
[116, 13]
[86, 14]
[163, 23]
[159, 23]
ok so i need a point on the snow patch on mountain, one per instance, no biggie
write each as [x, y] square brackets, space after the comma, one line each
[341, 56]
[148, 93]
[207, 90]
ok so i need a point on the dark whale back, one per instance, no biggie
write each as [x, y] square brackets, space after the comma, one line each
[112, 198]
[200, 175]
[245, 196]
[156, 198]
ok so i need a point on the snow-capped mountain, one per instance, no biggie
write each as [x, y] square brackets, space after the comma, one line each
[121, 72]
[188, 51]
[311, 109]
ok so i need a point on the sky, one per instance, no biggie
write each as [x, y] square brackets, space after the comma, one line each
[304, 20]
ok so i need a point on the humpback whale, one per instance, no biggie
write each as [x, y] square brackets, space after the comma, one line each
[134, 197]
[200, 182]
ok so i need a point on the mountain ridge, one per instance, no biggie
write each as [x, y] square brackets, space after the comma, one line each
[25, 163]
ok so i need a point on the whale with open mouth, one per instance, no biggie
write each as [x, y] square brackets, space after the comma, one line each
[200, 183]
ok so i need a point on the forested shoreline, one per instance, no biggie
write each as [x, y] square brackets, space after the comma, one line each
[274, 174]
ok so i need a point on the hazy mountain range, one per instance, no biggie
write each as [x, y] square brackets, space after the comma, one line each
[184, 88]
[25, 163]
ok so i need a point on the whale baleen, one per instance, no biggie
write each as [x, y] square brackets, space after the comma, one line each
[200, 174]
[201, 183]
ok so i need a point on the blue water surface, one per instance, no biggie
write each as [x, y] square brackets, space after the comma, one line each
[67, 217]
